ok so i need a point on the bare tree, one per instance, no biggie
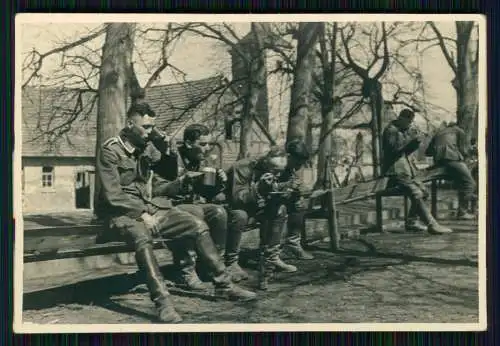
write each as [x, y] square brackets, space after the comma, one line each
[249, 51]
[465, 68]
[326, 97]
[372, 87]
[307, 38]
[461, 54]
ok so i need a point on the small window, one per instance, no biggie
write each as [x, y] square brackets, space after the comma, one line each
[47, 176]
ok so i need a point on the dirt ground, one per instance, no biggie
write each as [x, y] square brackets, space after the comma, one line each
[396, 277]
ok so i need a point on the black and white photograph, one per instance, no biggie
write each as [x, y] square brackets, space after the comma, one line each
[250, 173]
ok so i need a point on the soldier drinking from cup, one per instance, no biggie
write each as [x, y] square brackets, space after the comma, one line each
[191, 157]
[123, 168]
[399, 140]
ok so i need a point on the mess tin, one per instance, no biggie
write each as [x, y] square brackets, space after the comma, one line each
[209, 176]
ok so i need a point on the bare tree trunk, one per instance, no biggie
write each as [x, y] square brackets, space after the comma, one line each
[114, 84]
[328, 106]
[302, 83]
[376, 102]
[256, 82]
[466, 82]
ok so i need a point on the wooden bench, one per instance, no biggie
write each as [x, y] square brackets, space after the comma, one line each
[431, 175]
[74, 240]
[43, 244]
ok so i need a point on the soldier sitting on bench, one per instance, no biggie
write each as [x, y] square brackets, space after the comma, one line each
[254, 185]
[123, 169]
[398, 142]
[449, 149]
[226, 232]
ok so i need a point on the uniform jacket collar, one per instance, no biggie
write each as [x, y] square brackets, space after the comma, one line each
[129, 148]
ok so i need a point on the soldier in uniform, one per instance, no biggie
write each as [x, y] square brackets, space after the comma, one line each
[123, 168]
[297, 156]
[254, 185]
[226, 231]
[399, 140]
[449, 149]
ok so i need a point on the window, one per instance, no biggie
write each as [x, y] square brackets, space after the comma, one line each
[47, 176]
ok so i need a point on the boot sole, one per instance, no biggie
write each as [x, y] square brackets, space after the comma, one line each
[176, 321]
[289, 254]
[439, 233]
[235, 299]
[287, 271]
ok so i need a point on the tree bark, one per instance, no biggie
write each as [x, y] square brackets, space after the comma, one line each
[466, 82]
[328, 106]
[302, 84]
[114, 84]
[256, 84]
[376, 102]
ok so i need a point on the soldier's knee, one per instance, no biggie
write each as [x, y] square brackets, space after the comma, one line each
[239, 216]
[419, 194]
[219, 212]
[198, 225]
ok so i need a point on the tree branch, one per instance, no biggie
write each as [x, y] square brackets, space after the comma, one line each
[41, 56]
[386, 54]
[358, 69]
[442, 44]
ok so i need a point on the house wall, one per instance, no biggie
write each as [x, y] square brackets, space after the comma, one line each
[61, 195]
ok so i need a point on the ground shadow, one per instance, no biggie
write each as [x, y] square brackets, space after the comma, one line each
[372, 251]
[355, 257]
[58, 220]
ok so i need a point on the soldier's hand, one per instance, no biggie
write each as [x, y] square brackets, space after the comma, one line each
[222, 175]
[150, 222]
[188, 180]
[220, 198]
[300, 203]
[266, 184]
[293, 184]
[261, 203]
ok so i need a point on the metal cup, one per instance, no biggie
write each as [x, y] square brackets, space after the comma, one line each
[209, 176]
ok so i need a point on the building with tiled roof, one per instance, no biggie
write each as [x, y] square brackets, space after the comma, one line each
[59, 136]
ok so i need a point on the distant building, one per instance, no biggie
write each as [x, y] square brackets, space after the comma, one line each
[58, 171]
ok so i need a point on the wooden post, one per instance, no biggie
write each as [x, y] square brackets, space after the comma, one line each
[332, 210]
[92, 188]
[378, 211]
[406, 209]
[434, 191]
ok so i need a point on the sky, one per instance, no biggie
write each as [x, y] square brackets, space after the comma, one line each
[201, 58]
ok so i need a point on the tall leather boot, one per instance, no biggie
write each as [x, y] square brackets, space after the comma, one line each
[265, 271]
[189, 277]
[413, 223]
[146, 261]
[224, 287]
[270, 249]
[293, 247]
[463, 208]
[433, 227]
[232, 254]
